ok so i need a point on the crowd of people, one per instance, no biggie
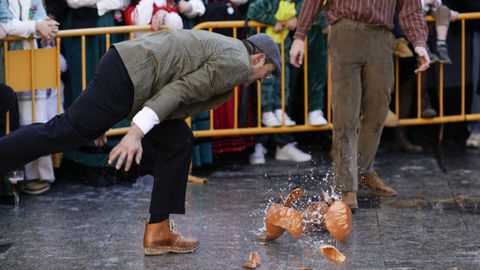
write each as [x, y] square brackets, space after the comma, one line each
[44, 19]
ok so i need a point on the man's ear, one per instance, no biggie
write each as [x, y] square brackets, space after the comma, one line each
[258, 58]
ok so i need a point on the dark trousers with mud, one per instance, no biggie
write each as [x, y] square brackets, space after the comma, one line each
[362, 79]
[107, 100]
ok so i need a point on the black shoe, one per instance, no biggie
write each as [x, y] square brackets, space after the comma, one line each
[433, 57]
[442, 51]
[429, 113]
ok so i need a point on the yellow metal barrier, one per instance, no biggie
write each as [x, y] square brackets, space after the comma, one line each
[41, 77]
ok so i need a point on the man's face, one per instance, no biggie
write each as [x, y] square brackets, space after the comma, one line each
[258, 69]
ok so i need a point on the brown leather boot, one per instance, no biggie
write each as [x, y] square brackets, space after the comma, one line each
[159, 239]
[350, 199]
[376, 186]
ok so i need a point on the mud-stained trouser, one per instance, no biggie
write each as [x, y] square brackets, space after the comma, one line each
[362, 79]
[108, 99]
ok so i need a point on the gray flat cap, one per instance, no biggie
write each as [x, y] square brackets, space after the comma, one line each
[266, 45]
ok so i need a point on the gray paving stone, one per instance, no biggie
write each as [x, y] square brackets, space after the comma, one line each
[425, 227]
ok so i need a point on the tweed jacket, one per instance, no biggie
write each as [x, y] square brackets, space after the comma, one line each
[183, 72]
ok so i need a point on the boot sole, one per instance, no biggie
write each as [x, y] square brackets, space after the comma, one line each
[36, 191]
[382, 194]
[165, 250]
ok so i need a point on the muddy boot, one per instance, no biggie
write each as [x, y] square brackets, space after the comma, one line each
[161, 238]
[376, 186]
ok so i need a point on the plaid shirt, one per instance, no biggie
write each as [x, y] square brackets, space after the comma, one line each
[374, 12]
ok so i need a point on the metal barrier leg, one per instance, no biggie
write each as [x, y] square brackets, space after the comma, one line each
[195, 179]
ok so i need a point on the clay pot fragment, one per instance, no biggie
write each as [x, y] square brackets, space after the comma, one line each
[338, 220]
[289, 219]
[273, 216]
[280, 218]
[314, 215]
[293, 196]
[331, 253]
[253, 261]
[273, 231]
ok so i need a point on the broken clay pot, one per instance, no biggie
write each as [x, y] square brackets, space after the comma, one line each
[293, 196]
[331, 253]
[274, 231]
[314, 216]
[338, 220]
[253, 261]
[280, 218]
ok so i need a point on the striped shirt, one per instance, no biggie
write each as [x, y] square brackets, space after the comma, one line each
[374, 12]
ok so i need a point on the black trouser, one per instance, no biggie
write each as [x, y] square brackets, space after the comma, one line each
[8, 102]
[107, 100]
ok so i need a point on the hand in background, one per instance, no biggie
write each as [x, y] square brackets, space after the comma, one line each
[296, 52]
[47, 29]
[291, 24]
[424, 59]
[278, 27]
[157, 19]
[101, 141]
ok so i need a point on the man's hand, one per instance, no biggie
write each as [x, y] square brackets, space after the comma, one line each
[47, 29]
[157, 19]
[101, 141]
[296, 52]
[291, 24]
[129, 148]
[278, 27]
[424, 59]
[326, 30]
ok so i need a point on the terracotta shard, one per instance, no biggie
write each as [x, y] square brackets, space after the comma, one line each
[314, 215]
[287, 218]
[253, 261]
[338, 220]
[280, 218]
[293, 196]
[273, 231]
[331, 253]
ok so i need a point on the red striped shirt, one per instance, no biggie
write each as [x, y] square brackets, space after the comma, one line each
[374, 12]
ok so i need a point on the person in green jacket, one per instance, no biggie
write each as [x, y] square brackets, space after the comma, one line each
[159, 80]
[281, 18]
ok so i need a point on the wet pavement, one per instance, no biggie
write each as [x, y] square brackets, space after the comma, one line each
[433, 223]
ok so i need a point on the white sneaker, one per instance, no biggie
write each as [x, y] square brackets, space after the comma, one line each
[269, 120]
[288, 121]
[473, 140]
[315, 118]
[290, 152]
[258, 157]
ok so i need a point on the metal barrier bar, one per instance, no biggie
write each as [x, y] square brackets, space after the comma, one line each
[84, 65]
[305, 82]
[59, 79]
[463, 69]
[282, 87]
[397, 86]
[32, 79]
[440, 90]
